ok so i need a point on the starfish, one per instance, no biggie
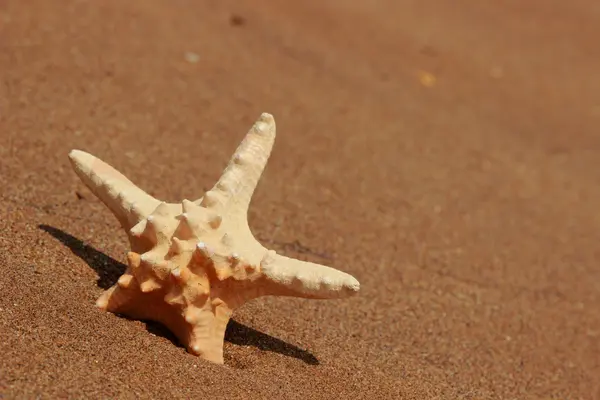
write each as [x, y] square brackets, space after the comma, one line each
[193, 263]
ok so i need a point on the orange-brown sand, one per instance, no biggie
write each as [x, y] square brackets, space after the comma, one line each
[447, 155]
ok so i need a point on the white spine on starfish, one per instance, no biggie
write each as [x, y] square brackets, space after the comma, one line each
[307, 279]
[239, 180]
[127, 202]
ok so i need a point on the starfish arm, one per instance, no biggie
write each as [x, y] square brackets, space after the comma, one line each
[125, 200]
[236, 186]
[291, 277]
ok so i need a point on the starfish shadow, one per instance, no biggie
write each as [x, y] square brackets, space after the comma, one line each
[109, 270]
[243, 335]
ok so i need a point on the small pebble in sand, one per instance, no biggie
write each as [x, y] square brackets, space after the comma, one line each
[427, 79]
[237, 20]
[191, 57]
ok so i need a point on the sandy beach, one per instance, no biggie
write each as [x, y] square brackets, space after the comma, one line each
[446, 155]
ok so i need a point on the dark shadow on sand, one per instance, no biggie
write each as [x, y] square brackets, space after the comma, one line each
[109, 270]
[243, 335]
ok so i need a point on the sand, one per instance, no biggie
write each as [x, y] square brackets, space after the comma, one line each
[444, 154]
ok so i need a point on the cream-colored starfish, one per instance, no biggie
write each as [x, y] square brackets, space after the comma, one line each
[192, 264]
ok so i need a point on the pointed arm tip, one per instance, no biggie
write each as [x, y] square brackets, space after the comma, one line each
[306, 279]
[124, 199]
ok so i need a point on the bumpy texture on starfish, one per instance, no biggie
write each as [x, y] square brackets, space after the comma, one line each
[192, 264]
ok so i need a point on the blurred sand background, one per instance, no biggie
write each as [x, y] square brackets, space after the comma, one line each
[444, 153]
